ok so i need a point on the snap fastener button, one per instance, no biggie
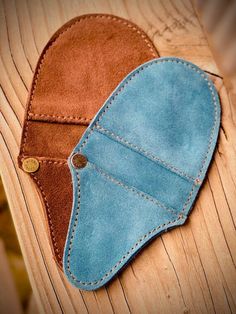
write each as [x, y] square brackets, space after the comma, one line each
[78, 161]
[30, 165]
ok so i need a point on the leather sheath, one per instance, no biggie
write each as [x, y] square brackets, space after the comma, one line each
[77, 71]
[139, 167]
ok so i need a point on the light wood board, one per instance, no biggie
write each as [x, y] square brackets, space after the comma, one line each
[188, 270]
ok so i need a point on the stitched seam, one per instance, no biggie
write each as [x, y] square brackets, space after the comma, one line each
[56, 162]
[53, 162]
[47, 160]
[50, 223]
[128, 24]
[124, 257]
[132, 189]
[193, 187]
[144, 152]
[213, 128]
[188, 199]
[60, 117]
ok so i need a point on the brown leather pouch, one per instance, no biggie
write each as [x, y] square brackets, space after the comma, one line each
[76, 72]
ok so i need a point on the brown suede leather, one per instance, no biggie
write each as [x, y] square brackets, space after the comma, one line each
[76, 72]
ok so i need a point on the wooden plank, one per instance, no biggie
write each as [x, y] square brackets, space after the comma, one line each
[190, 269]
[32, 306]
[9, 299]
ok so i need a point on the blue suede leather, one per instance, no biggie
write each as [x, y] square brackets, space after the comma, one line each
[148, 151]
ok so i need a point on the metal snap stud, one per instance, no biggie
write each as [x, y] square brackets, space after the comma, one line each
[30, 165]
[78, 161]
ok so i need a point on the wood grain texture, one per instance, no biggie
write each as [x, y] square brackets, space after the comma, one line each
[188, 270]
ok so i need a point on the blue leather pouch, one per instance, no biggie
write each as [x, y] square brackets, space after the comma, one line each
[147, 150]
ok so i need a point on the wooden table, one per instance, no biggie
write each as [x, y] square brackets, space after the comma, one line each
[190, 269]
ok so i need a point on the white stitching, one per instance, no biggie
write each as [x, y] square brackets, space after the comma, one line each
[145, 153]
[79, 119]
[53, 162]
[132, 189]
[192, 190]
[43, 160]
[57, 251]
